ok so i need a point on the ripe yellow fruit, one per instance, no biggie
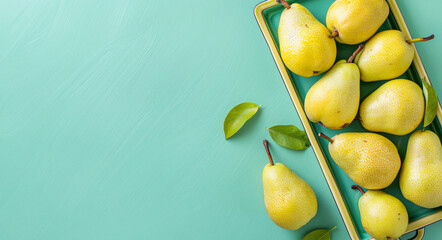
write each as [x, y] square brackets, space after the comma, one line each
[369, 159]
[386, 55]
[305, 46]
[334, 99]
[382, 215]
[290, 201]
[421, 174]
[355, 21]
[397, 107]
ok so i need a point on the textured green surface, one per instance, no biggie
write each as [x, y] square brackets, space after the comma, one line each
[111, 120]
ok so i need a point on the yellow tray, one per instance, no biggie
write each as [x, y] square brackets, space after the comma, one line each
[267, 15]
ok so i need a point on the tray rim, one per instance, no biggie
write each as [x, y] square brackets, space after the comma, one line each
[418, 224]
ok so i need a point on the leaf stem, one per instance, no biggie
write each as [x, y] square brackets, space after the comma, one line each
[283, 2]
[334, 34]
[352, 57]
[358, 188]
[326, 137]
[421, 39]
[266, 145]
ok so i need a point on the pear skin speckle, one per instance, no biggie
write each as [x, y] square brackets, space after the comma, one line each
[420, 179]
[356, 20]
[397, 107]
[305, 46]
[369, 159]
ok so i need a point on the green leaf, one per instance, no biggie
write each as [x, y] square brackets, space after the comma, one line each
[289, 136]
[319, 234]
[239, 115]
[430, 103]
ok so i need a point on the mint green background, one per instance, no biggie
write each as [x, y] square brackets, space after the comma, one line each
[111, 120]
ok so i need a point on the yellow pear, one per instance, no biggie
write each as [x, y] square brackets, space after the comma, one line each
[420, 179]
[353, 22]
[397, 107]
[334, 99]
[382, 215]
[289, 200]
[386, 55]
[369, 159]
[304, 42]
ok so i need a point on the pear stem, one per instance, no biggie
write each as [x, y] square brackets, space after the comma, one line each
[358, 118]
[334, 34]
[266, 145]
[320, 123]
[283, 2]
[359, 188]
[352, 57]
[421, 39]
[325, 136]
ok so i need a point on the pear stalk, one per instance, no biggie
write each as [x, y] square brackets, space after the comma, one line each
[334, 34]
[326, 137]
[358, 188]
[283, 2]
[352, 57]
[266, 145]
[421, 39]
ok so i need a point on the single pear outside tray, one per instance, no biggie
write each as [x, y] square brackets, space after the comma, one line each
[267, 15]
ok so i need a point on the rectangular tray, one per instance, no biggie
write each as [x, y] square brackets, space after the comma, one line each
[267, 15]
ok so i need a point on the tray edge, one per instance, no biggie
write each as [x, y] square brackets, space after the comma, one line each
[304, 120]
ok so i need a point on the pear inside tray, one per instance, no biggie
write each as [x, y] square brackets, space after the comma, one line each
[303, 84]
